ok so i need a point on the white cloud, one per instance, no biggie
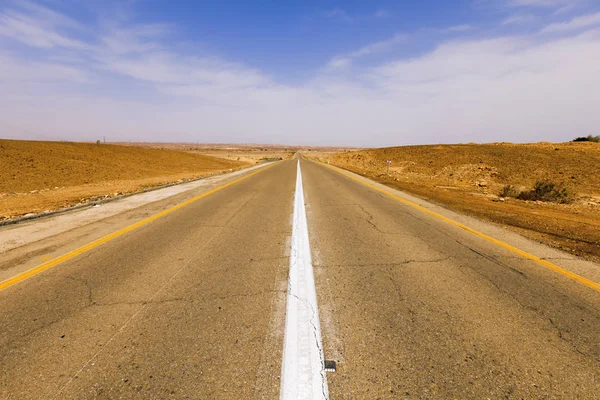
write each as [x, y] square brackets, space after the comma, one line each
[378, 47]
[163, 67]
[18, 71]
[38, 26]
[28, 30]
[543, 3]
[50, 17]
[519, 19]
[339, 63]
[578, 23]
[137, 39]
[345, 61]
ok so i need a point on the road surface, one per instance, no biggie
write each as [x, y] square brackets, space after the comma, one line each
[192, 305]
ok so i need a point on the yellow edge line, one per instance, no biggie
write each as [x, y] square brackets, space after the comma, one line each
[74, 253]
[506, 246]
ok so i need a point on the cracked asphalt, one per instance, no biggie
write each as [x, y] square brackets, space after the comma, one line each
[414, 308]
[192, 305]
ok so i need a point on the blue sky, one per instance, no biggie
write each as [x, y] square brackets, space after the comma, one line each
[360, 73]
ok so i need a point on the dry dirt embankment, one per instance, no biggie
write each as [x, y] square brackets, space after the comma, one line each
[39, 176]
[468, 178]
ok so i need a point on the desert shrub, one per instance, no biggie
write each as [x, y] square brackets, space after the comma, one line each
[588, 138]
[547, 191]
[508, 191]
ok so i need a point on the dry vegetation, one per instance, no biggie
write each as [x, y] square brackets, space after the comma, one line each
[483, 180]
[40, 176]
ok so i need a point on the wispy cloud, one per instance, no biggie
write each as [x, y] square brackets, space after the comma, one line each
[338, 63]
[39, 29]
[18, 71]
[543, 3]
[371, 48]
[578, 23]
[556, 6]
[378, 47]
[134, 39]
[519, 19]
[460, 28]
[344, 61]
[49, 16]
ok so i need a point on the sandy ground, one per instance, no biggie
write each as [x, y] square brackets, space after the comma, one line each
[468, 178]
[41, 176]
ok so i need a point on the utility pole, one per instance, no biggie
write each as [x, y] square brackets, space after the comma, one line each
[104, 137]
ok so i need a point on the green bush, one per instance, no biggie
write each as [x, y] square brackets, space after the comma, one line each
[508, 191]
[547, 191]
[588, 138]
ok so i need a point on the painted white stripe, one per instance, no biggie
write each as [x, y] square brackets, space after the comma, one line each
[303, 375]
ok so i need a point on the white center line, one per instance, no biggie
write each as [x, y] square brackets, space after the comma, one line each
[302, 372]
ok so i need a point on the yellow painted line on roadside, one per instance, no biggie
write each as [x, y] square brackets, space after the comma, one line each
[74, 253]
[500, 243]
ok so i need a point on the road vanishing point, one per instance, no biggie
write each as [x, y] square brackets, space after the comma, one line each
[246, 288]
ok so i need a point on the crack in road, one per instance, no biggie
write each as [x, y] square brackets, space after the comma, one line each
[396, 264]
[312, 323]
[132, 317]
[369, 220]
[90, 294]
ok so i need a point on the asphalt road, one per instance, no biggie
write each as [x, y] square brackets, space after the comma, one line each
[192, 305]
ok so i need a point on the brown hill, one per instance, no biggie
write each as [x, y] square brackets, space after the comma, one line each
[576, 165]
[468, 178]
[63, 173]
